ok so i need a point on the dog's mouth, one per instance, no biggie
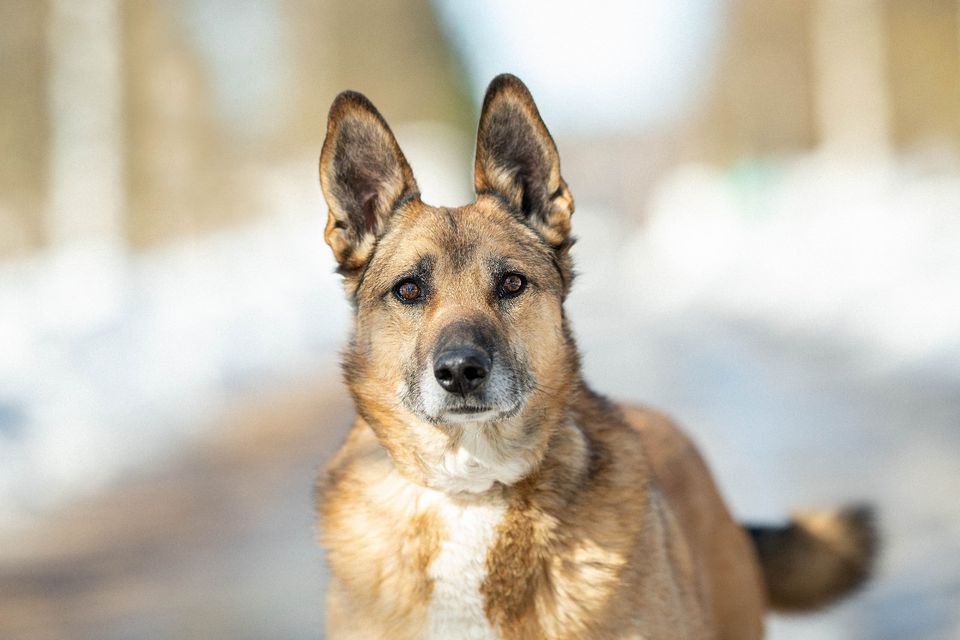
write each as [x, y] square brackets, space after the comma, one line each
[469, 410]
[477, 413]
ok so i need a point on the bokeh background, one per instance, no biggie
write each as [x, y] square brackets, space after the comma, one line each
[768, 210]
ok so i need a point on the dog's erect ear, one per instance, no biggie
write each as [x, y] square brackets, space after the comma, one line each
[364, 177]
[517, 159]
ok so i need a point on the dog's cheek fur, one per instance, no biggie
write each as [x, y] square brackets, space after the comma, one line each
[550, 354]
[374, 364]
[382, 355]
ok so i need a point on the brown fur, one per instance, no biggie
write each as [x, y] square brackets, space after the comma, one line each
[816, 558]
[611, 525]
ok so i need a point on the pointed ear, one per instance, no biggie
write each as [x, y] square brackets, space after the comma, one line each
[518, 160]
[364, 177]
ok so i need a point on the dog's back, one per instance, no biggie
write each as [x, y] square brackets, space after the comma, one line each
[809, 563]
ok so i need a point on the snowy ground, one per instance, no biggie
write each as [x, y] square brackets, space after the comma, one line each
[801, 319]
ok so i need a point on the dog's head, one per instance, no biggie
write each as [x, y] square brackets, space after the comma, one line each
[460, 346]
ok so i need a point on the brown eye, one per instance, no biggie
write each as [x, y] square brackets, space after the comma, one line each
[512, 285]
[408, 290]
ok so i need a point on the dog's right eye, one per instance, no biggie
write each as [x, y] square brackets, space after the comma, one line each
[408, 291]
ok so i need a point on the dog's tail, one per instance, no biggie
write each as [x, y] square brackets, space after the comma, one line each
[817, 558]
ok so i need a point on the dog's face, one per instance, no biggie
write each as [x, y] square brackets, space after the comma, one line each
[460, 339]
[459, 311]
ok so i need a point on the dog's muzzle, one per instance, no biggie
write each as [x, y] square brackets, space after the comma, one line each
[470, 377]
[463, 363]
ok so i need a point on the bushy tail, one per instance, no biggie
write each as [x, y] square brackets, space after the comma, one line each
[817, 558]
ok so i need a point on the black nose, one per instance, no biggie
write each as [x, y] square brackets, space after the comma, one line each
[461, 369]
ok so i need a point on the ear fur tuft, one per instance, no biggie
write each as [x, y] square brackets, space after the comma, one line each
[363, 174]
[517, 160]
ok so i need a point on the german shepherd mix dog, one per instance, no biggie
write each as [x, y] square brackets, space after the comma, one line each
[485, 491]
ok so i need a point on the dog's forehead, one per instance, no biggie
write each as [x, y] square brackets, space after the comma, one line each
[459, 238]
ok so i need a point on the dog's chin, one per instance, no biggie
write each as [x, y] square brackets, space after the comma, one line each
[468, 415]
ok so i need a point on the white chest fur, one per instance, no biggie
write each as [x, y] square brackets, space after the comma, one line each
[459, 569]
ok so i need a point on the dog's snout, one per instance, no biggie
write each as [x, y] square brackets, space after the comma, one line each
[462, 369]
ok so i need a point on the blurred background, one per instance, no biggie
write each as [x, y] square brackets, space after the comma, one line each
[768, 207]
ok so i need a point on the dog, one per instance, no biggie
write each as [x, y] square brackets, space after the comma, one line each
[485, 491]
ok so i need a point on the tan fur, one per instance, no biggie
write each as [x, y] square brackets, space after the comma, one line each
[382, 541]
[608, 524]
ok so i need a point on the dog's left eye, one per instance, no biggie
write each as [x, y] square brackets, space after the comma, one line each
[512, 285]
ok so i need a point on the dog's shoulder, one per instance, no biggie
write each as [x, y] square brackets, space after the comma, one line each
[662, 436]
[673, 456]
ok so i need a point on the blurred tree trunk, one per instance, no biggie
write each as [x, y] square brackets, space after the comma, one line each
[23, 126]
[85, 111]
[850, 83]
